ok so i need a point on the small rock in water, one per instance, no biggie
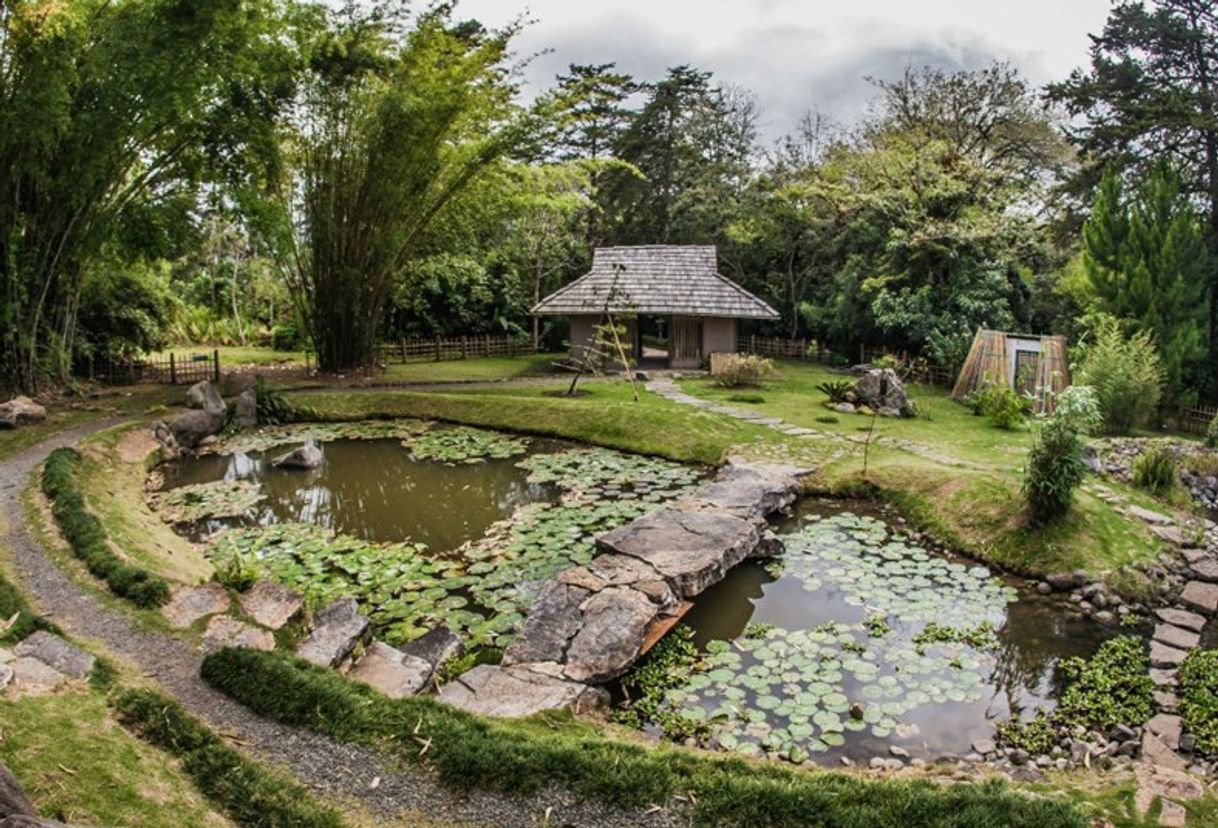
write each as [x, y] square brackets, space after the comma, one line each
[308, 456]
[899, 752]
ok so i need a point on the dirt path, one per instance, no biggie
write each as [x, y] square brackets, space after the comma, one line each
[344, 771]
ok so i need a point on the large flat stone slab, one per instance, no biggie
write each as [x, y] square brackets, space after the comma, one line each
[1161, 655]
[1200, 596]
[435, 646]
[1167, 727]
[752, 490]
[611, 636]
[1206, 570]
[337, 630]
[1178, 637]
[1156, 752]
[191, 603]
[54, 652]
[391, 671]
[692, 548]
[32, 677]
[520, 690]
[551, 624]
[224, 631]
[1182, 618]
[1150, 516]
[271, 604]
[622, 570]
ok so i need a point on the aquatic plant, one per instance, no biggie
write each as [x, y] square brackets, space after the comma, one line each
[661, 670]
[1036, 735]
[268, 437]
[464, 445]
[199, 501]
[1110, 688]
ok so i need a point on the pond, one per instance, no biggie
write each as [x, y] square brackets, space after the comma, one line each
[423, 524]
[856, 640]
[373, 489]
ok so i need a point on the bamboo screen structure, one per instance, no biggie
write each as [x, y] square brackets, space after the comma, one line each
[988, 364]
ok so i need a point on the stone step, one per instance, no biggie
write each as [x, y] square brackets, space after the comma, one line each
[518, 690]
[1175, 636]
[56, 653]
[1200, 596]
[189, 604]
[1182, 618]
[391, 671]
[1168, 727]
[338, 629]
[1206, 570]
[1161, 655]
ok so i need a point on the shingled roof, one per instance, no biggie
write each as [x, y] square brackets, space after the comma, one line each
[660, 279]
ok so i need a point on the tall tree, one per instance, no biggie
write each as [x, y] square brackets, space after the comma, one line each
[108, 108]
[390, 129]
[1147, 262]
[1151, 94]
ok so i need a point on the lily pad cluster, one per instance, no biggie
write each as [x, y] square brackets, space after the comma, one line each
[404, 590]
[464, 445]
[200, 501]
[269, 437]
[794, 693]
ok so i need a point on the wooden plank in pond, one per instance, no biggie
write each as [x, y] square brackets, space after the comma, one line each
[659, 628]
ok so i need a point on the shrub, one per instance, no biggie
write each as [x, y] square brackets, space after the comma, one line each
[836, 390]
[87, 537]
[524, 756]
[272, 407]
[1155, 470]
[286, 337]
[1126, 375]
[1112, 687]
[250, 794]
[238, 572]
[1199, 698]
[751, 399]
[1055, 466]
[744, 371]
[1002, 405]
[1211, 433]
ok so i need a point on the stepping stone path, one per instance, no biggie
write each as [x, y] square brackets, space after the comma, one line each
[589, 623]
[40, 664]
[224, 631]
[271, 604]
[189, 604]
[1161, 773]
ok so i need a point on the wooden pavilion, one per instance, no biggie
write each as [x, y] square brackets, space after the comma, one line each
[680, 284]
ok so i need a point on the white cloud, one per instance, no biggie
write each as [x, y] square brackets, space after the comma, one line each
[798, 55]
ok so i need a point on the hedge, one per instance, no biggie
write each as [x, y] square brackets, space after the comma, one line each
[525, 756]
[87, 537]
[247, 792]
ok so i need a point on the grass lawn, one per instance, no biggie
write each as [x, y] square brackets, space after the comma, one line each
[966, 489]
[479, 369]
[236, 355]
[605, 415]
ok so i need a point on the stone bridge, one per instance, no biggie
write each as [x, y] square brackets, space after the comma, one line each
[591, 623]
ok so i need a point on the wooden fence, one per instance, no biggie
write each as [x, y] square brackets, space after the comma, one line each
[919, 370]
[169, 369]
[1196, 420]
[440, 349]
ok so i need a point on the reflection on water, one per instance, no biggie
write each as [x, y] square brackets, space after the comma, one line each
[373, 490]
[1033, 634]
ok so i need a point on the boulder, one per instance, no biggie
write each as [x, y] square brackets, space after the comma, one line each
[391, 671]
[21, 411]
[26, 821]
[189, 604]
[270, 604]
[691, 549]
[205, 396]
[53, 651]
[436, 646]
[844, 408]
[308, 456]
[245, 412]
[1156, 752]
[13, 801]
[164, 435]
[193, 427]
[609, 640]
[519, 690]
[1156, 781]
[881, 388]
[337, 631]
[237, 382]
[223, 631]
[553, 620]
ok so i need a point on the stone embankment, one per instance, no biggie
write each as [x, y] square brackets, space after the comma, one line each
[591, 623]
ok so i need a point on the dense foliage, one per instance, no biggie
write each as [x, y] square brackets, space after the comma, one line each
[1125, 373]
[1199, 698]
[1155, 470]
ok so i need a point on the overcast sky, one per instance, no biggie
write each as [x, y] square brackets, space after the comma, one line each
[793, 55]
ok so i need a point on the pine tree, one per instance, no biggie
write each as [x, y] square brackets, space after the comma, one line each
[1148, 264]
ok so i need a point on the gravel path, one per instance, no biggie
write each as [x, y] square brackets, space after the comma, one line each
[345, 771]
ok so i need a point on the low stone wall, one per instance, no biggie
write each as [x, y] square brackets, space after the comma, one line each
[590, 622]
